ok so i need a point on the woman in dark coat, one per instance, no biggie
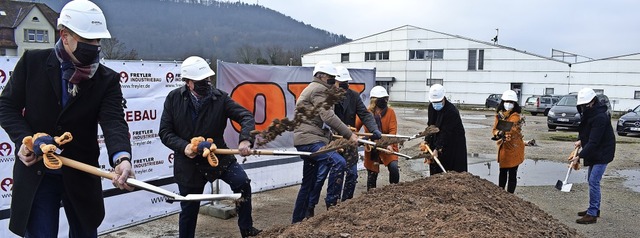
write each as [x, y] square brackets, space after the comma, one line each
[449, 144]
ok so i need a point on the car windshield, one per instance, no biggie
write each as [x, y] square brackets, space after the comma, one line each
[532, 99]
[637, 109]
[568, 101]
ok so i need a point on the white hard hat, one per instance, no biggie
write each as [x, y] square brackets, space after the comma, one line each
[585, 95]
[195, 68]
[326, 67]
[509, 95]
[85, 19]
[343, 74]
[436, 93]
[378, 92]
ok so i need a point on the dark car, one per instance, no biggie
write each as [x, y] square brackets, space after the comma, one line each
[540, 104]
[565, 113]
[629, 122]
[492, 101]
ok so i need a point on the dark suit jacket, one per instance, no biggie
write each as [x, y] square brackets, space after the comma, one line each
[31, 103]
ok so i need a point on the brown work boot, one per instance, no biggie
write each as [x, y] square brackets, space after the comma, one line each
[582, 213]
[587, 219]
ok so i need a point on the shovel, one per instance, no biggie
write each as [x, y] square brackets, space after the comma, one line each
[563, 185]
[170, 196]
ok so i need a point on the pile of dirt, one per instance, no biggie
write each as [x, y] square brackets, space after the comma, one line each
[444, 205]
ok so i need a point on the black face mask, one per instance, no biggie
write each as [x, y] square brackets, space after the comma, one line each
[344, 85]
[86, 53]
[201, 87]
[381, 103]
[331, 81]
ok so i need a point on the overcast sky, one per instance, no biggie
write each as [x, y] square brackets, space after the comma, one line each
[592, 28]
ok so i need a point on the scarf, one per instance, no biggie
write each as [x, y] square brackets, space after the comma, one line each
[197, 103]
[74, 74]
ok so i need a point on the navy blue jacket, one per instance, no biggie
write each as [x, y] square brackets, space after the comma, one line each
[177, 129]
[596, 135]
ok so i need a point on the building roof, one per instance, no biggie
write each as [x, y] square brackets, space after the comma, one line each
[16, 11]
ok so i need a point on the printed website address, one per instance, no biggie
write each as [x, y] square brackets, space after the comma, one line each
[135, 86]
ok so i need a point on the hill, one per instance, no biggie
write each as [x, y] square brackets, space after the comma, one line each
[229, 31]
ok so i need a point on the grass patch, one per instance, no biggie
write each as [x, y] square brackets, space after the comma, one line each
[564, 137]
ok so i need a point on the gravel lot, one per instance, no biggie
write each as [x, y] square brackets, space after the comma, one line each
[620, 185]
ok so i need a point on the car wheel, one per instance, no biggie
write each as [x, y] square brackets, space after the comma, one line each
[622, 134]
[551, 127]
[534, 113]
[546, 112]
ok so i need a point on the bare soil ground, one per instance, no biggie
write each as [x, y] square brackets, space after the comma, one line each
[451, 205]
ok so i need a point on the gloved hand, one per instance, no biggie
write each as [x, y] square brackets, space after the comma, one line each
[44, 140]
[376, 135]
[202, 146]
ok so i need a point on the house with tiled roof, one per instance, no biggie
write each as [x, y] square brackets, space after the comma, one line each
[25, 26]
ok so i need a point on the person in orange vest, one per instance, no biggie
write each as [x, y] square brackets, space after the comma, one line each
[510, 143]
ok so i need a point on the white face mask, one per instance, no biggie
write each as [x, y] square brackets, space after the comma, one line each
[508, 106]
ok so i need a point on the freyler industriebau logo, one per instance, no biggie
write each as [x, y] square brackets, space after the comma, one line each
[6, 184]
[5, 149]
[170, 77]
[124, 77]
[3, 77]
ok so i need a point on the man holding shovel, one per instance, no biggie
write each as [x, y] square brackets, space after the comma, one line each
[199, 109]
[65, 89]
[595, 136]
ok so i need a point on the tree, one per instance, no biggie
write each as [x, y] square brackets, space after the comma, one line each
[248, 54]
[114, 49]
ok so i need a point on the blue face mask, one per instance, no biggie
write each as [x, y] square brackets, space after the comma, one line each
[437, 105]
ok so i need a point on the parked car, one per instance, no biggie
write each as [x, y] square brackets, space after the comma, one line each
[492, 101]
[629, 122]
[540, 104]
[565, 113]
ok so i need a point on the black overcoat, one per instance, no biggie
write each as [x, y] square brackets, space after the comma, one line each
[451, 140]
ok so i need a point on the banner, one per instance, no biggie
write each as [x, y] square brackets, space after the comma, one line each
[145, 86]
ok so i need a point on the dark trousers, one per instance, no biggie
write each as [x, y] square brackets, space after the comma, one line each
[239, 183]
[394, 175]
[508, 177]
[45, 211]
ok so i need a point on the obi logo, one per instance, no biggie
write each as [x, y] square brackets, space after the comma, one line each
[5, 149]
[170, 77]
[124, 77]
[6, 184]
[170, 158]
[3, 76]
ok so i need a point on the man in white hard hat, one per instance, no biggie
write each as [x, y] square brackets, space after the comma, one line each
[65, 89]
[347, 110]
[199, 109]
[314, 133]
[598, 142]
[449, 145]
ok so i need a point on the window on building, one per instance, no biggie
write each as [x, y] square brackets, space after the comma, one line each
[476, 60]
[636, 95]
[549, 91]
[376, 56]
[344, 57]
[480, 59]
[599, 91]
[425, 54]
[3, 52]
[32, 35]
[434, 81]
[471, 65]
[35, 19]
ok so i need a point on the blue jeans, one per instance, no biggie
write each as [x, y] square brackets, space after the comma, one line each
[309, 177]
[334, 168]
[239, 183]
[594, 176]
[45, 211]
[350, 180]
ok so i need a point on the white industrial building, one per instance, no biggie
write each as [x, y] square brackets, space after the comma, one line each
[409, 59]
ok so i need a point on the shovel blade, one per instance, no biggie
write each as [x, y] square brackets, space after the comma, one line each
[566, 188]
[559, 185]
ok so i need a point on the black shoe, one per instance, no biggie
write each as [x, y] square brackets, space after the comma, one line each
[250, 232]
[586, 219]
[581, 214]
[310, 212]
